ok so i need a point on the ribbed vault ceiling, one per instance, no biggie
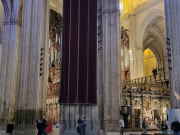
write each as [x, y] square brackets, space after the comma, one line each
[57, 5]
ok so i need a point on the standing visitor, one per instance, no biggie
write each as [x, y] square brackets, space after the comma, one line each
[121, 123]
[164, 127]
[46, 125]
[144, 127]
[175, 126]
[40, 126]
[81, 124]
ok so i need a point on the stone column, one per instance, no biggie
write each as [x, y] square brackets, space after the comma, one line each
[30, 103]
[132, 45]
[172, 9]
[71, 113]
[139, 62]
[10, 55]
[4, 57]
[58, 113]
[111, 63]
[165, 65]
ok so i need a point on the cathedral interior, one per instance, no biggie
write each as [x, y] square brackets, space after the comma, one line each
[134, 66]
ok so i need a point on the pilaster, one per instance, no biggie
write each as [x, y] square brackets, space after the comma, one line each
[132, 37]
[112, 65]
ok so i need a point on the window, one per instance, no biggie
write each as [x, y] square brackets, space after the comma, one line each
[121, 6]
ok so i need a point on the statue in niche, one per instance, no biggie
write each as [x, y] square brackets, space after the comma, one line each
[124, 35]
[137, 103]
[155, 104]
[154, 73]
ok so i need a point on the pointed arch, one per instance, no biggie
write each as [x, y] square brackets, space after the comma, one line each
[152, 15]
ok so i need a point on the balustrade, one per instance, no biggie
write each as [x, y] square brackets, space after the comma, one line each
[146, 80]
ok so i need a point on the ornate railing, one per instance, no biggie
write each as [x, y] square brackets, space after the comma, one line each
[153, 78]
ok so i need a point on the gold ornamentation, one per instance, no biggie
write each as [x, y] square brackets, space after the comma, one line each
[137, 103]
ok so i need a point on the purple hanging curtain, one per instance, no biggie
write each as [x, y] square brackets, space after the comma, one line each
[79, 52]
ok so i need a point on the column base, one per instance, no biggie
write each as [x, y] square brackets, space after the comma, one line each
[95, 131]
[74, 132]
[3, 126]
[21, 130]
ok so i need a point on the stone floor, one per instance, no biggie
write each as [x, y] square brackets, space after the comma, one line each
[56, 132]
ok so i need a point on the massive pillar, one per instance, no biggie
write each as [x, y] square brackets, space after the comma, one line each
[5, 40]
[10, 62]
[109, 67]
[108, 78]
[79, 62]
[31, 85]
[172, 10]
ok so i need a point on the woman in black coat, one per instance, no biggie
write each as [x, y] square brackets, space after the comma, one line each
[41, 126]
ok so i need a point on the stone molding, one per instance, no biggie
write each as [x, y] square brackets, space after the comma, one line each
[110, 11]
[12, 23]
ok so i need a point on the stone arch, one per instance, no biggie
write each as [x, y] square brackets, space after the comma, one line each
[158, 58]
[152, 15]
[56, 6]
[154, 50]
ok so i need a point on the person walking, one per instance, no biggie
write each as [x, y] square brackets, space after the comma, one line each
[175, 126]
[121, 123]
[164, 127]
[81, 124]
[144, 127]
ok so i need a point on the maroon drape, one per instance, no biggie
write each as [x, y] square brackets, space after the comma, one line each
[79, 52]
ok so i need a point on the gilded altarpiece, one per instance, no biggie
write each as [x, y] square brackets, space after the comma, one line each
[149, 100]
